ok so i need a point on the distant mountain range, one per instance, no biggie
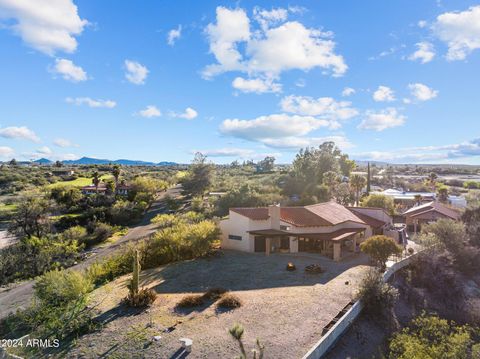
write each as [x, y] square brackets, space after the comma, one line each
[97, 161]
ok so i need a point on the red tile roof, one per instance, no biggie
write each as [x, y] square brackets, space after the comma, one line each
[317, 215]
[435, 207]
[371, 221]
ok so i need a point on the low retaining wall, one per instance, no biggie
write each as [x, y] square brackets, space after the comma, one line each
[329, 339]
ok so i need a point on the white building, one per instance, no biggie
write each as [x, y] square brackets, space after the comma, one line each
[408, 198]
[328, 228]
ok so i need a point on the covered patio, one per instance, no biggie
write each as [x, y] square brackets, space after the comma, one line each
[331, 244]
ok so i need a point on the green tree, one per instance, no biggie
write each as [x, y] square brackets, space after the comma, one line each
[432, 180]
[369, 178]
[58, 164]
[31, 217]
[430, 337]
[377, 296]
[379, 201]
[96, 180]
[357, 183]
[266, 165]
[379, 248]
[199, 177]
[443, 194]
[116, 171]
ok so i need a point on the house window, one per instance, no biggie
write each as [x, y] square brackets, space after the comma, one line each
[284, 228]
[235, 238]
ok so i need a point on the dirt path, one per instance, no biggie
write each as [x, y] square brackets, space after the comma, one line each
[19, 295]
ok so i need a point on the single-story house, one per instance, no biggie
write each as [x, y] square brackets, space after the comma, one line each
[91, 189]
[428, 212]
[328, 228]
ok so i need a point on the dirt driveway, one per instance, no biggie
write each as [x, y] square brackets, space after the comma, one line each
[285, 310]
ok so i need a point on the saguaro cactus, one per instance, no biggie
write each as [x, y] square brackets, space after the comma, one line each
[136, 273]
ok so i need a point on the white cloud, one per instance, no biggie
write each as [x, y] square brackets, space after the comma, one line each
[232, 26]
[69, 71]
[136, 73]
[427, 153]
[301, 83]
[46, 25]
[6, 152]
[174, 35]
[384, 94]
[256, 85]
[323, 107]
[381, 120]
[188, 114]
[267, 18]
[271, 126]
[91, 102]
[269, 50]
[422, 23]
[44, 150]
[293, 46]
[295, 143]
[23, 133]
[460, 31]
[150, 111]
[425, 52]
[229, 152]
[64, 143]
[422, 92]
[348, 91]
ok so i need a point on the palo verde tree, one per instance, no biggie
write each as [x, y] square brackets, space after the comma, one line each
[379, 248]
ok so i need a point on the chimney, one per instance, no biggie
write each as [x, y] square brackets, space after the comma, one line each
[274, 214]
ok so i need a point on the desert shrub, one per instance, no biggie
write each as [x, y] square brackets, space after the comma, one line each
[229, 301]
[214, 293]
[433, 337]
[143, 298]
[60, 287]
[452, 236]
[61, 307]
[191, 300]
[34, 256]
[110, 268]
[98, 233]
[376, 295]
[184, 241]
[125, 212]
[379, 248]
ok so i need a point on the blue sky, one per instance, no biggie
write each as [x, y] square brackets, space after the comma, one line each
[394, 81]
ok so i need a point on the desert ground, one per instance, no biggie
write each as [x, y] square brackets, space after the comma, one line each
[285, 310]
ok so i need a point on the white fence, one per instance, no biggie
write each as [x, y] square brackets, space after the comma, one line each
[328, 340]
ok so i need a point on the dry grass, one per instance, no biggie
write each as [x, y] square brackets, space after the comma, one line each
[229, 301]
[215, 293]
[189, 301]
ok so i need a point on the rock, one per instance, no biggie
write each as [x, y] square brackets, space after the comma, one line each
[157, 338]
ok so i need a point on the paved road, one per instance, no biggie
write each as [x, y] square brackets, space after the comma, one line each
[19, 296]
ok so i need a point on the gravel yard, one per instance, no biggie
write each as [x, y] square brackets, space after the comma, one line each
[285, 310]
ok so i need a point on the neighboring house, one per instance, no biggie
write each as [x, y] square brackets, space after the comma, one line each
[327, 228]
[416, 216]
[123, 189]
[407, 199]
[90, 189]
[63, 172]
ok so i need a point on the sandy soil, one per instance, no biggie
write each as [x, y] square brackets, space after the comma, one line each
[285, 310]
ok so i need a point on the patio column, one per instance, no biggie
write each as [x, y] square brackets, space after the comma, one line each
[293, 244]
[337, 251]
[354, 243]
[268, 246]
[415, 221]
